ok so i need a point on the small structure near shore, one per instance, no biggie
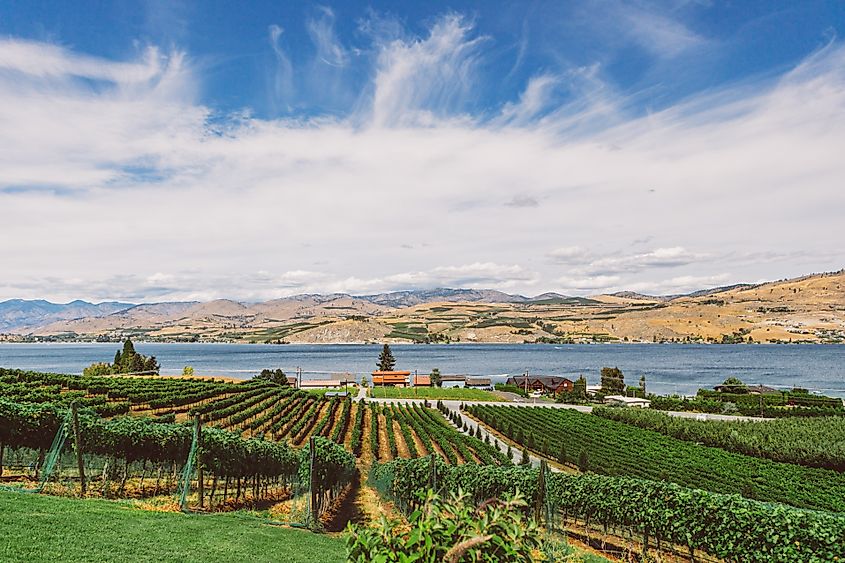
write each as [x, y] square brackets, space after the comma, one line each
[623, 401]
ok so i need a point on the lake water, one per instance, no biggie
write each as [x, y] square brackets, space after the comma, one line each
[669, 368]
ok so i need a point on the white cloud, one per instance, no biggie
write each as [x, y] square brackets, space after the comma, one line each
[417, 80]
[283, 73]
[107, 191]
[329, 49]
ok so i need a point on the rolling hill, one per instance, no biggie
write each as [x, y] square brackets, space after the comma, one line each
[806, 309]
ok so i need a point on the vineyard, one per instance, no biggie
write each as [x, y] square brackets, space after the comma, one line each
[613, 448]
[726, 526]
[813, 442]
[137, 435]
[223, 446]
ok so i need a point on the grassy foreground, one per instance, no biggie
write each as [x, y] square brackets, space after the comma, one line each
[41, 528]
[446, 394]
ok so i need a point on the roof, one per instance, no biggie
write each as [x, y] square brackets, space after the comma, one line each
[627, 400]
[424, 380]
[389, 373]
[545, 380]
[452, 378]
[478, 381]
[321, 383]
[761, 389]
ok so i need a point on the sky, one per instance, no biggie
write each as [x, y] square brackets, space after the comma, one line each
[163, 150]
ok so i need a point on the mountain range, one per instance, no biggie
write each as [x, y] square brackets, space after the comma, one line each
[806, 309]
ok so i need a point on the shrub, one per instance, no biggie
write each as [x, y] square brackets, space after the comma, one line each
[450, 531]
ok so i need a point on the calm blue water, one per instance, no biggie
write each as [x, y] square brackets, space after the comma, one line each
[669, 368]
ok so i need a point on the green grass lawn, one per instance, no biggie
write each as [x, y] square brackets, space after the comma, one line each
[41, 528]
[455, 393]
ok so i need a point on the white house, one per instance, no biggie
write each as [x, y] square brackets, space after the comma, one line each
[622, 401]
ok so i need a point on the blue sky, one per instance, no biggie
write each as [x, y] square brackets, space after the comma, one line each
[260, 149]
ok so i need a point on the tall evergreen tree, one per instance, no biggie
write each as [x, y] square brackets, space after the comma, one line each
[386, 361]
[612, 381]
[579, 388]
[435, 378]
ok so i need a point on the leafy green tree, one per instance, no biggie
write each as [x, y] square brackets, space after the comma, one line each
[96, 369]
[386, 361]
[435, 378]
[188, 371]
[612, 381]
[276, 376]
[734, 385]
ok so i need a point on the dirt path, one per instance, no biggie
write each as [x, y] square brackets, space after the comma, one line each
[383, 447]
[401, 446]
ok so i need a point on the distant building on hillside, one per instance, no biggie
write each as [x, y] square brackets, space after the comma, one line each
[549, 384]
[391, 378]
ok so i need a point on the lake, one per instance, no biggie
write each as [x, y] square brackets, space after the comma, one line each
[669, 368]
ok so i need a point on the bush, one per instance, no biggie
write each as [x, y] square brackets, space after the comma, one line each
[450, 531]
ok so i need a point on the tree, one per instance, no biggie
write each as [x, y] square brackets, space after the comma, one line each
[435, 377]
[364, 381]
[525, 459]
[188, 371]
[612, 381]
[734, 385]
[99, 368]
[276, 376]
[583, 461]
[579, 388]
[642, 385]
[561, 455]
[386, 361]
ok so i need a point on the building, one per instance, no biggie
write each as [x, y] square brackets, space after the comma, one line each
[451, 381]
[322, 384]
[622, 401]
[391, 378]
[422, 381]
[479, 383]
[550, 384]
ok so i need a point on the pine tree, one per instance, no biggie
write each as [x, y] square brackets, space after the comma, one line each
[561, 456]
[583, 461]
[612, 381]
[510, 453]
[386, 361]
[117, 359]
[128, 349]
[525, 460]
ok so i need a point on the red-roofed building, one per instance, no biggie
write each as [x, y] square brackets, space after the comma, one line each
[391, 378]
